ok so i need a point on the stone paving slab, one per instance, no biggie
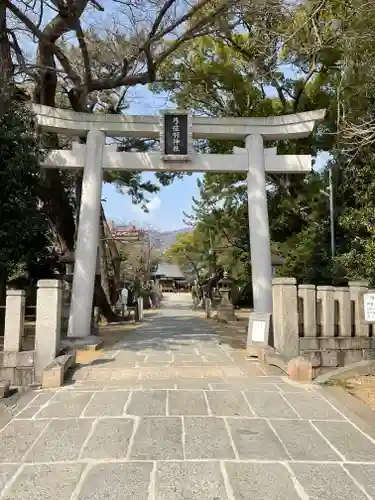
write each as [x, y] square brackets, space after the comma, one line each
[17, 438]
[28, 412]
[187, 403]
[249, 370]
[311, 406]
[303, 441]
[228, 404]
[254, 439]
[6, 472]
[207, 438]
[270, 405]
[347, 440]
[43, 398]
[159, 384]
[110, 439]
[148, 403]
[158, 439]
[45, 482]
[190, 481]
[197, 383]
[61, 440]
[328, 481]
[261, 481]
[66, 404]
[288, 386]
[110, 404]
[364, 474]
[246, 385]
[123, 356]
[117, 481]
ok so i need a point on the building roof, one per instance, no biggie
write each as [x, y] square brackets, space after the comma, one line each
[129, 227]
[168, 271]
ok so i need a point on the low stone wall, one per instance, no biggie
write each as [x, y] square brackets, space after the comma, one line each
[23, 368]
[324, 323]
[18, 367]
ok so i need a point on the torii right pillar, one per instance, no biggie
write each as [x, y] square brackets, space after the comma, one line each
[260, 243]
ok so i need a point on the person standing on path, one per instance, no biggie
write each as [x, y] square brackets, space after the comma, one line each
[195, 294]
[124, 300]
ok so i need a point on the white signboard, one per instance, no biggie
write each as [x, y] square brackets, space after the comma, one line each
[369, 307]
[259, 330]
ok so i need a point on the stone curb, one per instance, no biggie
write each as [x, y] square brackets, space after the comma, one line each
[91, 343]
[53, 374]
[299, 369]
[4, 388]
[365, 367]
[357, 411]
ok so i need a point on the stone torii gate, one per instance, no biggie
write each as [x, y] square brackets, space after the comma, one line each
[177, 154]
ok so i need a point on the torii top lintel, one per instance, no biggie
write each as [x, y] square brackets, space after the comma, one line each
[274, 127]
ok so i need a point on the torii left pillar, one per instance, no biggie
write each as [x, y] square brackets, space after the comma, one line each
[88, 237]
[260, 245]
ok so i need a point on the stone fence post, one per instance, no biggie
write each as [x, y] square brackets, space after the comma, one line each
[357, 289]
[285, 316]
[342, 296]
[327, 317]
[48, 323]
[308, 295]
[14, 319]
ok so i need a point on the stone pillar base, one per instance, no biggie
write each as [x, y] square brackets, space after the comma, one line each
[300, 369]
[90, 343]
[226, 313]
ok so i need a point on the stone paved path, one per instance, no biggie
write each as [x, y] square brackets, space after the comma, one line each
[172, 414]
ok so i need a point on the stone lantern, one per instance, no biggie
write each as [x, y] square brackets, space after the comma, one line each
[226, 309]
[276, 261]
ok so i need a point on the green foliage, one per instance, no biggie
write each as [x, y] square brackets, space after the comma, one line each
[191, 253]
[22, 227]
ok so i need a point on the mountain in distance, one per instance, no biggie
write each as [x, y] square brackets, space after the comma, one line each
[162, 240]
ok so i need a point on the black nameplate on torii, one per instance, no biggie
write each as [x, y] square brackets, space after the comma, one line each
[176, 135]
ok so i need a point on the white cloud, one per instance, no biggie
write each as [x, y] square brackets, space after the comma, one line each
[152, 206]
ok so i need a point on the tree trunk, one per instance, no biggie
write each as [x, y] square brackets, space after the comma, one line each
[59, 211]
[103, 262]
[52, 192]
[102, 302]
[6, 65]
[113, 250]
[3, 281]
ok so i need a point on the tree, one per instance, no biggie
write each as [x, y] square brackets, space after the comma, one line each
[246, 75]
[190, 253]
[137, 259]
[23, 229]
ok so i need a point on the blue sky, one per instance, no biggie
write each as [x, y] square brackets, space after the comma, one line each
[165, 208]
